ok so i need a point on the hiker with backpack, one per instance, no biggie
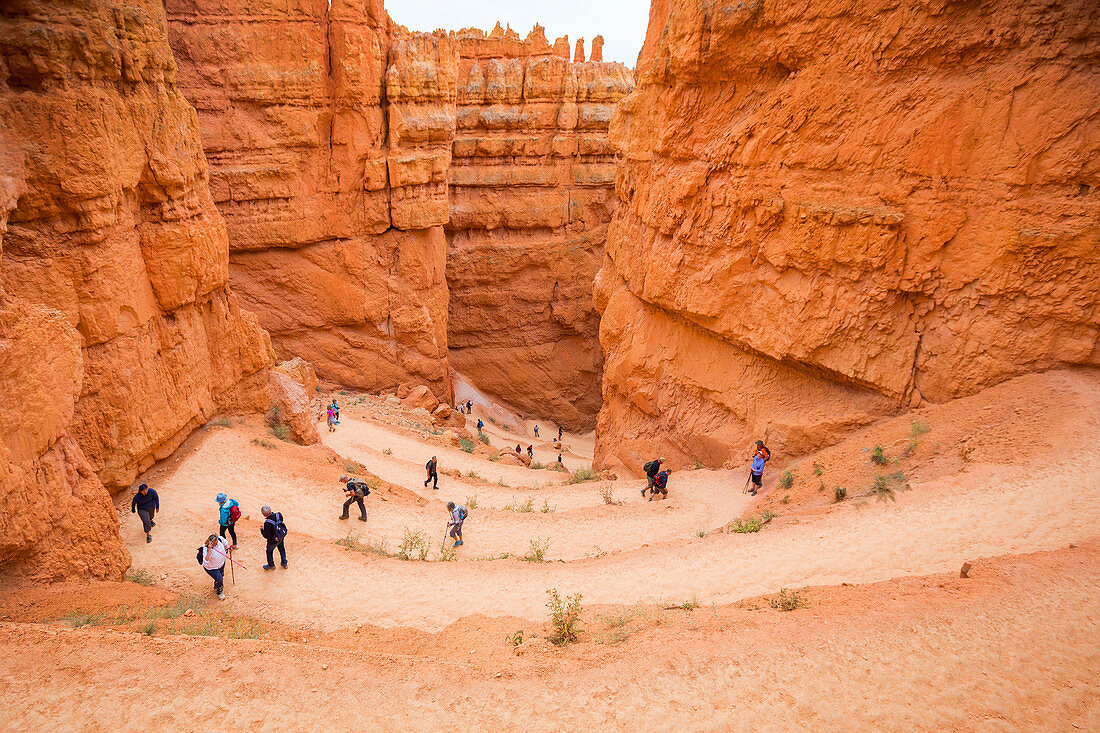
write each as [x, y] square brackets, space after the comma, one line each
[433, 474]
[536, 431]
[146, 504]
[212, 556]
[355, 491]
[531, 452]
[229, 513]
[274, 531]
[331, 417]
[760, 456]
[480, 425]
[458, 516]
[660, 485]
[335, 410]
[651, 470]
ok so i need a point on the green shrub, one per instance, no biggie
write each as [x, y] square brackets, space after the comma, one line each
[282, 432]
[786, 481]
[515, 639]
[753, 524]
[466, 445]
[139, 576]
[447, 553]
[608, 495]
[375, 547]
[471, 502]
[413, 546]
[262, 442]
[817, 469]
[150, 628]
[565, 617]
[840, 492]
[387, 451]
[538, 550]
[884, 486]
[585, 474]
[700, 533]
[222, 422]
[546, 508]
[515, 505]
[483, 437]
[787, 600]
[878, 456]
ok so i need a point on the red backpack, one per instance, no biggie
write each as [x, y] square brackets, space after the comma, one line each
[234, 513]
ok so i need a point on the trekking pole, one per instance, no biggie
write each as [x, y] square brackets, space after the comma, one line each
[242, 567]
[232, 575]
[747, 479]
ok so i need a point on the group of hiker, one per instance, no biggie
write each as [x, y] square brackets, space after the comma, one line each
[657, 479]
[217, 551]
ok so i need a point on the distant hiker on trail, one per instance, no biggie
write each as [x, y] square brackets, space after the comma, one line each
[433, 474]
[660, 485]
[227, 519]
[335, 409]
[274, 531]
[469, 405]
[651, 469]
[146, 504]
[559, 458]
[212, 556]
[559, 433]
[531, 452]
[458, 516]
[756, 470]
[355, 492]
[536, 431]
[518, 449]
[480, 425]
[331, 419]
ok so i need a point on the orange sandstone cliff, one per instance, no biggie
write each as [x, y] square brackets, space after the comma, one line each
[334, 198]
[401, 203]
[118, 335]
[531, 187]
[828, 213]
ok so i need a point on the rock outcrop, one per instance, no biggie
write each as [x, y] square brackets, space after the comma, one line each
[827, 215]
[329, 165]
[341, 145]
[531, 181]
[118, 335]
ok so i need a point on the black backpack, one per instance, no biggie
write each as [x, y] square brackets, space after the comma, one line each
[199, 556]
[280, 530]
[651, 468]
[359, 487]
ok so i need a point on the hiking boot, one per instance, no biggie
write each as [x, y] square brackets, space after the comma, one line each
[457, 543]
[232, 547]
[152, 524]
[269, 567]
[148, 538]
[221, 596]
[362, 519]
[343, 516]
[284, 566]
[643, 493]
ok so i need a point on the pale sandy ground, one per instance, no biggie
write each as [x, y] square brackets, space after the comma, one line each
[1013, 648]
[1016, 647]
[653, 554]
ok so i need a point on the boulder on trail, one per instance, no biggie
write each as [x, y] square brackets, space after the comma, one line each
[515, 459]
[421, 396]
[294, 408]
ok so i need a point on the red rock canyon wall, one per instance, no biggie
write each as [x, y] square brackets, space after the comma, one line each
[828, 212]
[531, 186]
[341, 146]
[118, 335]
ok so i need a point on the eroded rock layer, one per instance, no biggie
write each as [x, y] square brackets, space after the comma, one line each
[340, 146]
[118, 335]
[532, 177]
[329, 144]
[828, 213]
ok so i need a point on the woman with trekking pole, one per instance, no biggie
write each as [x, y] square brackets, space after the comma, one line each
[212, 556]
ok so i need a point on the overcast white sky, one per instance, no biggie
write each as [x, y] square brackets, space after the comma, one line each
[622, 23]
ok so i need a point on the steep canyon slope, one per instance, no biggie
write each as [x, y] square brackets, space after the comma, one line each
[531, 189]
[342, 145]
[118, 335]
[830, 212]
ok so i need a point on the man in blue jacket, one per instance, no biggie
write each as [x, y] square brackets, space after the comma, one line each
[146, 503]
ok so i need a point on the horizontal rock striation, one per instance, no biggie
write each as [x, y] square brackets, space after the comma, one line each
[341, 146]
[828, 214]
[531, 188]
[329, 143]
[118, 335]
